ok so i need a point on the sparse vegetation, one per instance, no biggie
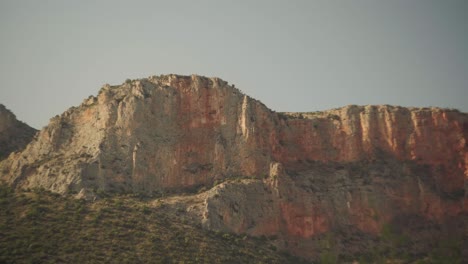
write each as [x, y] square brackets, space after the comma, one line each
[283, 116]
[334, 117]
[37, 226]
[40, 227]
[393, 248]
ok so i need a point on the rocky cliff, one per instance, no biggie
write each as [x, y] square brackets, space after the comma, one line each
[14, 134]
[329, 181]
[169, 132]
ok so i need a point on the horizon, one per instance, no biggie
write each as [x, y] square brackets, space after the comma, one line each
[301, 57]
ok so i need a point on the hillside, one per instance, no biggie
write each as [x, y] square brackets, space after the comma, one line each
[14, 134]
[37, 226]
[41, 227]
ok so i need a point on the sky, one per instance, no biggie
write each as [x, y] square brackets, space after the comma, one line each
[291, 55]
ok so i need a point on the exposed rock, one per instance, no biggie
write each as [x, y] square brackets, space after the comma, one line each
[14, 134]
[348, 172]
[171, 132]
[350, 202]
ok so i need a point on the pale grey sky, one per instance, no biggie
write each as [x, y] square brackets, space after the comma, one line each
[291, 55]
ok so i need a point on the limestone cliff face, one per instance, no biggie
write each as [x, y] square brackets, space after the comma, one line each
[351, 203]
[180, 131]
[14, 134]
[146, 135]
[429, 136]
[348, 171]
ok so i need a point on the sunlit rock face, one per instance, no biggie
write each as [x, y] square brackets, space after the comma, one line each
[347, 171]
[146, 135]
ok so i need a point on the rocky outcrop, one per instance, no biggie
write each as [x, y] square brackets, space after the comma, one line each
[169, 132]
[345, 173]
[14, 134]
[178, 131]
[348, 205]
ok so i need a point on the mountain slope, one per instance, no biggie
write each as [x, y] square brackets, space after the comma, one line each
[39, 227]
[14, 135]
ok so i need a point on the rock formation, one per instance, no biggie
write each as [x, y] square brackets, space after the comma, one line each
[310, 180]
[14, 134]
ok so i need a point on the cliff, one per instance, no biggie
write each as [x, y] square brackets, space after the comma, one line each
[171, 132]
[14, 134]
[338, 176]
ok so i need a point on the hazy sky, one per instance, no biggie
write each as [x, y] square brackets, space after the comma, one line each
[291, 55]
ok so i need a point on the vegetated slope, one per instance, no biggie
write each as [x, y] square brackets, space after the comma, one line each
[40, 227]
[14, 134]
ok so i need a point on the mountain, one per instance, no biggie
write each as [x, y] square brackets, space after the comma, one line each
[348, 183]
[14, 134]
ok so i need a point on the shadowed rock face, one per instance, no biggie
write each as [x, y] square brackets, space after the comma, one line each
[14, 134]
[347, 172]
